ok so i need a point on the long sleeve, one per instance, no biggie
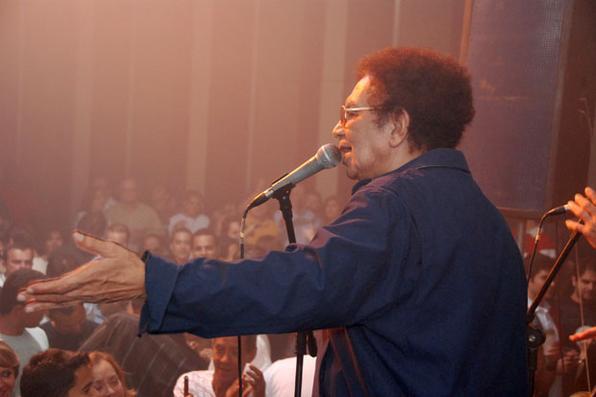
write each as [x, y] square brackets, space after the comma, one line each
[340, 278]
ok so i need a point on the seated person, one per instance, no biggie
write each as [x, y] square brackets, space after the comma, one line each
[192, 217]
[281, 375]
[151, 363]
[108, 377]
[180, 246]
[56, 372]
[222, 381]
[68, 327]
[9, 370]
[18, 328]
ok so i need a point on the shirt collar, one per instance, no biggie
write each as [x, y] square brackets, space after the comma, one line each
[436, 158]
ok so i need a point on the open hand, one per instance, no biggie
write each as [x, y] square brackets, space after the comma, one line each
[118, 274]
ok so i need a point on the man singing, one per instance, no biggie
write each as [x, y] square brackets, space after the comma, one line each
[418, 283]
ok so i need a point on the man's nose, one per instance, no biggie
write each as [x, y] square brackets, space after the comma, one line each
[338, 131]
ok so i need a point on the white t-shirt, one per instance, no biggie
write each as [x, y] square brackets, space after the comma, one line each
[281, 375]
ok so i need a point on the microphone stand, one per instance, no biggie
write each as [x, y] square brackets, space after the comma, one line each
[535, 336]
[302, 337]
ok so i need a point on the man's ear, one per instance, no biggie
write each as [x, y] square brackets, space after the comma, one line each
[400, 124]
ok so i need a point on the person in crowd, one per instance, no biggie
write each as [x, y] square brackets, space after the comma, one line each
[53, 240]
[281, 375]
[18, 328]
[219, 215]
[584, 207]
[108, 377]
[152, 363]
[154, 243]
[577, 311]
[193, 216]
[163, 202]
[230, 237]
[418, 284]
[180, 246]
[9, 370]
[68, 327]
[222, 380]
[306, 222]
[118, 233]
[93, 223]
[96, 200]
[552, 363]
[19, 255]
[204, 244]
[260, 223]
[58, 373]
[137, 216]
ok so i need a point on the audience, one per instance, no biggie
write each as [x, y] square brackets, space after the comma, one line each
[152, 364]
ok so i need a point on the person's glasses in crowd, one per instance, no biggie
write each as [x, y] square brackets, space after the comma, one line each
[346, 113]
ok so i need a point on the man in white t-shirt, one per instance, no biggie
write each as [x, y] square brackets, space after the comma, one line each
[17, 328]
[223, 379]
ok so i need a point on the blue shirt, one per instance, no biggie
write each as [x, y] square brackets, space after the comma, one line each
[419, 278]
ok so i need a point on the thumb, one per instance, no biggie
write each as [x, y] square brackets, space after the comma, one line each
[93, 245]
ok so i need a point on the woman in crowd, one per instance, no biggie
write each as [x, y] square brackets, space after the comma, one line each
[9, 370]
[108, 377]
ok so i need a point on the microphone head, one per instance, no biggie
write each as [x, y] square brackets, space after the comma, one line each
[328, 155]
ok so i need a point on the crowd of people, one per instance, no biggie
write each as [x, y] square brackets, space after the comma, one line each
[37, 346]
[106, 335]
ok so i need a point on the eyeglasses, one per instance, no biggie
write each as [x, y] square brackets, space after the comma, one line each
[346, 113]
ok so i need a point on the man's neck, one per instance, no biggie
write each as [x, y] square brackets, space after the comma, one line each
[10, 325]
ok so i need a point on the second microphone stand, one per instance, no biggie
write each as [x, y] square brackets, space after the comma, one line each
[535, 335]
[304, 339]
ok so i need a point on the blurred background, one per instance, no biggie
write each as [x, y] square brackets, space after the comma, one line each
[223, 96]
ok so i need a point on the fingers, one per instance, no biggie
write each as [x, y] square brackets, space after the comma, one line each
[94, 245]
[58, 285]
[582, 208]
[576, 226]
[591, 194]
[584, 335]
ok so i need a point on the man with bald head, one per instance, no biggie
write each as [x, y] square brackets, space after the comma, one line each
[418, 284]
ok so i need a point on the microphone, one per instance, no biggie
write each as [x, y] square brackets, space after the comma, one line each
[328, 156]
[556, 211]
